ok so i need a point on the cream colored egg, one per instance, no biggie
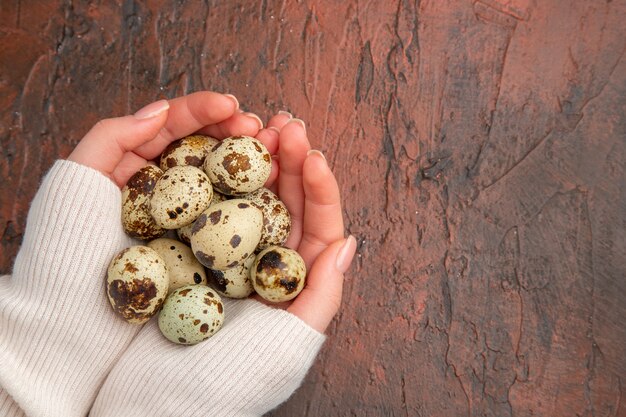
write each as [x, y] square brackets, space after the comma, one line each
[179, 196]
[191, 314]
[137, 283]
[238, 165]
[136, 218]
[191, 150]
[226, 234]
[183, 267]
[276, 219]
[184, 233]
[234, 282]
[278, 274]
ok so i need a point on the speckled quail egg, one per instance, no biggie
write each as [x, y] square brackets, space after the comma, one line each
[191, 314]
[179, 196]
[234, 282]
[278, 274]
[184, 233]
[136, 218]
[238, 165]
[183, 267]
[226, 234]
[276, 219]
[191, 150]
[137, 283]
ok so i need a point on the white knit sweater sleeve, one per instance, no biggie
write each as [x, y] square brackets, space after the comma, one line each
[254, 363]
[58, 335]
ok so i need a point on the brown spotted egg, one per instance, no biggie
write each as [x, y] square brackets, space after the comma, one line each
[183, 267]
[234, 282]
[238, 165]
[276, 219]
[137, 283]
[179, 196]
[226, 234]
[191, 314]
[191, 150]
[278, 274]
[136, 218]
[184, 233]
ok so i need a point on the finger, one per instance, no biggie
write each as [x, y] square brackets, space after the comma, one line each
[292, 151]
[323, 221]
[280, 120]
[187, 115]
[320, 299]
[271, 183]
[269, 138]
[128, 166]
[104, 146]
[247, 124]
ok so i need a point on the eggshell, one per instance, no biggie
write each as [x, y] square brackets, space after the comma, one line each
[276, 218]
[191, 150]
[179, 196]
[191, 314]
[183, 267]
[278, 274]
[184, 233]
[238, 165]
[137, 283]
[226, 234]
[234, 282]
[136, 218]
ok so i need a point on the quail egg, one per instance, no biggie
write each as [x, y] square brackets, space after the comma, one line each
[191, 150]
[184, 233]
[136, 218]
[278, 274]
[276, 219]
[137, 283]
[234, 282]
[179, 196]
[226, 234]
[238, 165]
[191, 314]
[183, 267]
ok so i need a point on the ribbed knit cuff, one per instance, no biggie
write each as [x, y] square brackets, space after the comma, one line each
[58, 335]
[253, 364]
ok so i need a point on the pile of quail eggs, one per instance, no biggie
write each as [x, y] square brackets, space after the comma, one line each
[211, 230]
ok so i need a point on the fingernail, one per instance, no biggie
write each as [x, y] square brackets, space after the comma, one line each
[274, 128]
[152, 109]
[316, 152]
[345, 254]
[255, 117]
[286, 113]
[300, 122]
[233, 98]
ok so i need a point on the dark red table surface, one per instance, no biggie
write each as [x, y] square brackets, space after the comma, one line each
[480, 149]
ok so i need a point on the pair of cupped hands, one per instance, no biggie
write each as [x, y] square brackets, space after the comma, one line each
[119, 147]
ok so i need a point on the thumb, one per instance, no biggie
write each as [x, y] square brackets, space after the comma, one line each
[104, 146]
[320, 299]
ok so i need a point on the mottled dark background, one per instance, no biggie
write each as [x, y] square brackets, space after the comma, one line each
[480, 148]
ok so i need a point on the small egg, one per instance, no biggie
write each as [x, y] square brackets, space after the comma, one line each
[238, 165]
[183, 267]
[137, 283]
[276, 219]
[191, 150]
[234, 282]
[191, 314]
[136, 218]
[226, 234]
[278, 274]
[184, 233]
[179, 196]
